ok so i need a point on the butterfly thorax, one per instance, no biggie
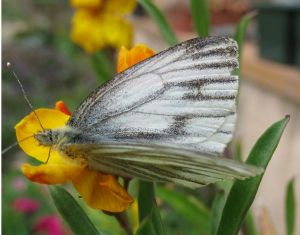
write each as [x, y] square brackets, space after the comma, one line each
[47, 137]
[59, 137]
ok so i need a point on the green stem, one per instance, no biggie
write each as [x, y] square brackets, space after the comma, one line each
[201, 18]
[123, 221]
[103, 66]
[250, 224]
[164, 27]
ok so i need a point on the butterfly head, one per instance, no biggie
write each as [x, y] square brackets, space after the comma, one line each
[47, 137]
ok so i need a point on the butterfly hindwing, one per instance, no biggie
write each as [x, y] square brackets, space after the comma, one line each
[162, 164]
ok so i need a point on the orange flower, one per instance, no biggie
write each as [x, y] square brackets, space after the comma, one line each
[128, 58]
[60, 105]
[99, 191]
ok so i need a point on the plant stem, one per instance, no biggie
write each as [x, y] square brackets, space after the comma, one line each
[126, 183]
[123, 221]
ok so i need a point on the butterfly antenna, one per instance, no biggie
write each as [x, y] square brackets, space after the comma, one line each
[8, 65]
[48, 155]
[15, 144]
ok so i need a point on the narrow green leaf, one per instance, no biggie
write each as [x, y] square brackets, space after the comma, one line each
[200, 14]
[240, 33]
[217, 208]
[238, 150]
[103, 67]
[149, 217]
[250, 225]
[165, 29]
[72, 212]
[290, 208]
[146, 227]
[242, 193]
[152, 224]
[146, 197]
[188, 207]
[241, 29]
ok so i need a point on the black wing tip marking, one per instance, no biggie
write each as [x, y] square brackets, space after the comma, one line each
[211, 40]
[195, 45]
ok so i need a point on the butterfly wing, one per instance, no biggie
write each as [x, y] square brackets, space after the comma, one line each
[162, 164]
[182, 97]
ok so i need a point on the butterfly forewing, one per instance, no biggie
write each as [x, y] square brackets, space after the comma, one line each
[181, 97]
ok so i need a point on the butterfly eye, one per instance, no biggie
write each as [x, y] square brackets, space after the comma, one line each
[45, 137]
[50, 136]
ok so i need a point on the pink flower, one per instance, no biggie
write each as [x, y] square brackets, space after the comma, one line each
[50, 225]
[19, 184]
[25, 205]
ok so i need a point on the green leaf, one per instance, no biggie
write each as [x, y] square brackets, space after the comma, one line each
[160, 20]
[240, 33]
[238, 151]
[149, 217]
[241, 29]
[72, 212]
[250, 225]
[290, 208]
[242, 193]
[103, 67]
[200, 14]
[15, 223]
[146, 227]
[146, 198]
[152, 224]
[188, 207]
[217, 208]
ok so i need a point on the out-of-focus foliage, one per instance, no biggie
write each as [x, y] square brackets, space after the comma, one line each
[26, 207]
[161, 21]
[241, 30]
[188, 207]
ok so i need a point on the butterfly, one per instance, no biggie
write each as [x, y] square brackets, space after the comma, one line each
[166, 119]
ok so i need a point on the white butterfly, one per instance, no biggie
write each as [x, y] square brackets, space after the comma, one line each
[165, 119]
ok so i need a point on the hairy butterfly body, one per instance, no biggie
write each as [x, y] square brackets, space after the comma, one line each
[165, 119]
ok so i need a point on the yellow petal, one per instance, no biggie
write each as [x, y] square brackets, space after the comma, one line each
[102, 191]
[133, 212]
[86, 3]
[29, 126]
[128, 58]
[119, 6]
[118, 32]
[109, 6]
[94, 30]
[51, 173]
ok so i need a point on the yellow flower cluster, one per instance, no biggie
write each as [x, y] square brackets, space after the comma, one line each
[97, 24]
[100, 191]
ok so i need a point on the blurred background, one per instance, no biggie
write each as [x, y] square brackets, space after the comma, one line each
[36, 40]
